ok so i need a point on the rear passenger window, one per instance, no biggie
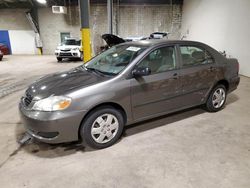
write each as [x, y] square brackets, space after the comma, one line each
[192, 56]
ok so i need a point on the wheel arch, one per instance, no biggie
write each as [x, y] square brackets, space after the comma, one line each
[105, 104]
[208, 106]
[223, 82]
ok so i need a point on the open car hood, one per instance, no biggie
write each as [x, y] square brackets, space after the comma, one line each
[112, 40]
[158, 35]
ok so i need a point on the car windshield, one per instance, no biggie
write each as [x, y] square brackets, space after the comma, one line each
[114, 60]
[72, 42]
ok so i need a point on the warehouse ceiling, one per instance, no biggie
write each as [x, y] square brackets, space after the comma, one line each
[16, 3]
[34, 3]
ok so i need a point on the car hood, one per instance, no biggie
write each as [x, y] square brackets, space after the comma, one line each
[112, 40]
[63, 82]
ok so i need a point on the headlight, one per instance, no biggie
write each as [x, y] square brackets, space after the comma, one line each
[75, 48]
[53, 103]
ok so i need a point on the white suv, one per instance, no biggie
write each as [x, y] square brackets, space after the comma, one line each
[70, 48]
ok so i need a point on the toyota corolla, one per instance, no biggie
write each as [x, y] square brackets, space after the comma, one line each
[128, 83]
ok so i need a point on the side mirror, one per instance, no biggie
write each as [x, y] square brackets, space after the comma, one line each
[141, 71]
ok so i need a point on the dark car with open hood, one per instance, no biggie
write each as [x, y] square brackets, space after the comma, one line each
[128, 83]
[112, 40]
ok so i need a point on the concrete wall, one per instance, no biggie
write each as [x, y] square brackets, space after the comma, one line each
[129, 20]
[143, 20]
[13, 19]
[223, 24]
[22, 37]
[135, 20]
[51, 25]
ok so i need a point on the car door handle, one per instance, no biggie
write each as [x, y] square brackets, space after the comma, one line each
[175, 76]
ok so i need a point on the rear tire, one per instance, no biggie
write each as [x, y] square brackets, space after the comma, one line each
[102, 127]
[59, 59]
[217, 98]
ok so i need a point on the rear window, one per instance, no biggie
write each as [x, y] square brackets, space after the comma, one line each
[192, 55]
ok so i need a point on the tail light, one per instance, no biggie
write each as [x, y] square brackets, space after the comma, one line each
[238, 67]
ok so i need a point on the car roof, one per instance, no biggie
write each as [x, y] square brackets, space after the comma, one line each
[156, 42]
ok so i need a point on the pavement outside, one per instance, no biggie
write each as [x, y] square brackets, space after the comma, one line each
[188, 149]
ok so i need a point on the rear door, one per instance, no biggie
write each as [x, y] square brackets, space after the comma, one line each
[156, 93]
[197, 74]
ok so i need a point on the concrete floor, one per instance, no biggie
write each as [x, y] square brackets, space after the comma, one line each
[191, 149]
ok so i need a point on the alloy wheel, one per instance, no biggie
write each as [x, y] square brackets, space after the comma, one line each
[104, 128]
[219, 97]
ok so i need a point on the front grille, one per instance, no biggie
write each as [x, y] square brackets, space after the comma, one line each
[65, 50]
[66, 54]
[27, 99]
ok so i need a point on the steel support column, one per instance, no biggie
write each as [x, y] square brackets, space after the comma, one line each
[110, 16]
[84, 14]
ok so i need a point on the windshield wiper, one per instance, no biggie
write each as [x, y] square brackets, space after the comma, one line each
[109, 73]
[94, 70]
[99, 71]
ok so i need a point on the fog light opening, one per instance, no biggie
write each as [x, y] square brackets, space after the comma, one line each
[48, 134]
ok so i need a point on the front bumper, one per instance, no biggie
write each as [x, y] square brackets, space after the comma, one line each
[51, 127]
[68, 54]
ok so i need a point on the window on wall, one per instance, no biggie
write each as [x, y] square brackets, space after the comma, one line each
[160, 60]
[64, 35]
[192, 56]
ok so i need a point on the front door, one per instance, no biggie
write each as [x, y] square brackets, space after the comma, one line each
[156, 93]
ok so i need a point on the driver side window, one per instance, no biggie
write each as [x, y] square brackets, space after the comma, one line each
[160, 60]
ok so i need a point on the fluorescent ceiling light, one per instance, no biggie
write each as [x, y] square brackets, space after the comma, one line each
[42, 1]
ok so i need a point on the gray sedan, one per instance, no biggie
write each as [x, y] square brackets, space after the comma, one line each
[128, 83]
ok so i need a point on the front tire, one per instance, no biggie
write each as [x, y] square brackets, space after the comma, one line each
[217, 98]
[102, 127]
[59, 59]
